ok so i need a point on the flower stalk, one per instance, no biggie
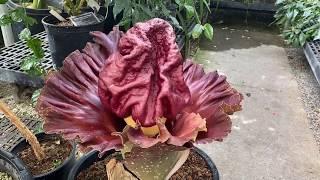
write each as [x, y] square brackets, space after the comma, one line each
[23, 129]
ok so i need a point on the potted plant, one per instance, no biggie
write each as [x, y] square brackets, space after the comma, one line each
[31, 64]
[64, 37]
[91, 165]
[298, 21]
[49, 158]
[11, 167]
[133, 93]
[36, 9]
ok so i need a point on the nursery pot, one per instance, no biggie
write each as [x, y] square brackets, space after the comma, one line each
[65, 39]
[87, 160]
[59, 172]
[37, 14]
[13, 166]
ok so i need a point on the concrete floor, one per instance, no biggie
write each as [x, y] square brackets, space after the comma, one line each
[270, 138]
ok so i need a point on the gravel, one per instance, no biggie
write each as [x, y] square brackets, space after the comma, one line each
[308, 87]
[18, 98]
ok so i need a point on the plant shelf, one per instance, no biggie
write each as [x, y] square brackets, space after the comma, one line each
[11, 58]
[312, 52]
[10, 136]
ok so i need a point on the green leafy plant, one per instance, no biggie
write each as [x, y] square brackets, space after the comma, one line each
[30, 64]
[38, 4]
[17, 15]
[299, 20]
[197, 10]
[73, 7]
[56, 163]
[134, 11]
[178, 12]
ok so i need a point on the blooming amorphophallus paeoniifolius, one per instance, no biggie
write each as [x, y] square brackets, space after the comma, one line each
[135, 89]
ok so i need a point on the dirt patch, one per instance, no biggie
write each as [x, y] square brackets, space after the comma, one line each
[5, 176]
[195, 168]
[56, 150]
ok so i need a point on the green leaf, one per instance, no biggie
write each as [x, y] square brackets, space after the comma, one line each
[146, 10]
[139, 16]
[28, 62]
[31, 65]
[29, 21]
[157, 162]
[35, 96]
[189, 2]
[5, 20]
[35, 45]
[119, 6]
[208, 31]
[17, 15]
[56, 162]
[175, 22]
[3, 1]
[206, 4]
[317, 36]
[125, 22]
[190, 11]
[25, 34]
[197, 31]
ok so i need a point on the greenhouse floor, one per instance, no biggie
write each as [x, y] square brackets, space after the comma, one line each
[272, 137]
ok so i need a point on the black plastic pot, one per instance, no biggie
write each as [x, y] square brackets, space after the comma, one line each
[37, 14]
[13, 166]
[64, 40]
[61, 171]
[87, 160]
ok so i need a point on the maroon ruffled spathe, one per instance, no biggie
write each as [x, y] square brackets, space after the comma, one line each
[140, 74]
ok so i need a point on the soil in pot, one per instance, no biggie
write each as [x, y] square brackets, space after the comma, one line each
[56, 150]
[195, 168]
[63, 39]
[5, 176]
[65, 23]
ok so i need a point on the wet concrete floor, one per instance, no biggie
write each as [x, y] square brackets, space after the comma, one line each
[270, 138]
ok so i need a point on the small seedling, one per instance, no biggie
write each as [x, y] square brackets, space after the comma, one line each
[56, 163]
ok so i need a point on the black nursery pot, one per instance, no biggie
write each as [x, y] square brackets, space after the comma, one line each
[87, 160]
[37, 14]
[13, 166]
[58, 173]
[65, 39]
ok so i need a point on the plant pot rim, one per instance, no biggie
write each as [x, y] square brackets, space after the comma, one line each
[16, 163]
[69, 158]
[75, 169]
[15, 4]
[52, 18]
